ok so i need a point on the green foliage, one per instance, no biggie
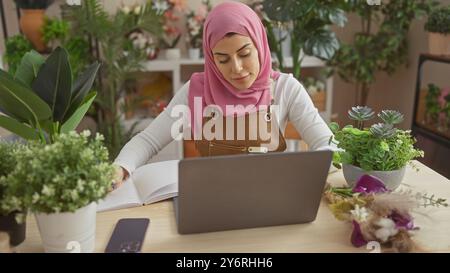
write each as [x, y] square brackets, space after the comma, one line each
[380, 45]
[361, 114]
[16, 47]
[446, 109]
[432, 102]
[33, 4]
[63, 176]
[391, 117]
[119, 58]
[7, 164]
[40, 100]
[54, 29]
[380, 147]
[307, 23]
[439, 21]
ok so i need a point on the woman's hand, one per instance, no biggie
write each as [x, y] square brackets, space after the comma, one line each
[120, 175]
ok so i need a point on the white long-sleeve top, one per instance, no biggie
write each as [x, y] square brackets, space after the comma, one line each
[294, 105]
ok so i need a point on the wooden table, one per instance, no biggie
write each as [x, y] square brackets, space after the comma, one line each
[325, 234]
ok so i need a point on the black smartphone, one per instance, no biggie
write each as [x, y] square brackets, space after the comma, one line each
[128, 236]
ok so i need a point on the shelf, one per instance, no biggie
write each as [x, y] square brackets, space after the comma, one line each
[169, 65]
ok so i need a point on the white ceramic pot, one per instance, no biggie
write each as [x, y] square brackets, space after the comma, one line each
[194, 53]
[173, 54]
[391, 179]
[68, 232]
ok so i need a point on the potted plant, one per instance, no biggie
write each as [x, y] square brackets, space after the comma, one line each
[432, 105]
[12, 218]
[172, 33]
[381, 150]
[438, 26]
[41, 101]
[381, 43]
[316, 90]
[306, 25]
[32, 20]
[446, 112]
[16, 47]
[60, 183]
[194, 26]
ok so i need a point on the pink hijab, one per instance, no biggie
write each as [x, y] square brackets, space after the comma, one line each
[210, 85]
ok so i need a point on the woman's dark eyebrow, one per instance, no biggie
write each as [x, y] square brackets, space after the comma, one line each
[218, 53]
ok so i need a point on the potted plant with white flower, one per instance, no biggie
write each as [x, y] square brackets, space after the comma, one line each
[194, 26]
[60, 183]
[12, 216]
[381, 150]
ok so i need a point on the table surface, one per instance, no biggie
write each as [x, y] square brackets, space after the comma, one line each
[325, 234]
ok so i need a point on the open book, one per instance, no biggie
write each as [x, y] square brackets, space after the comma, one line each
[147, 184]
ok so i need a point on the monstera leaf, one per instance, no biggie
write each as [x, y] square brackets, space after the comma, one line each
[287, 10]
[323, 44]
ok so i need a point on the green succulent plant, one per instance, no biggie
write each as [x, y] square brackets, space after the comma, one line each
[382, 147]
[361, 114]
[383, 130]
[391, 116]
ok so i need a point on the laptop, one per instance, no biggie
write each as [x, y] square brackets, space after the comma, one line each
[248, 191]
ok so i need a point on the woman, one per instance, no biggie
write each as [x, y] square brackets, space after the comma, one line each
[238, 71]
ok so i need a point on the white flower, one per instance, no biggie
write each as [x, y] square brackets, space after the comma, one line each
[137, 10]
[320, 85]
[36, 197]
[160, 6]
[312, 89]
[360, 214]
[86, 133]
[386, 230]
[126, 9]
[48, 190]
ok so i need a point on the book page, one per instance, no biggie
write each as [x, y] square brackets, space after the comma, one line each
[157, 181]
[124, 197]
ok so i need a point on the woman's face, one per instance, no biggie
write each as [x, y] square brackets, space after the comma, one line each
[236, 57]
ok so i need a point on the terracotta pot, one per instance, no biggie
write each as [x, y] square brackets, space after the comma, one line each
[31, 23]
[438, 44]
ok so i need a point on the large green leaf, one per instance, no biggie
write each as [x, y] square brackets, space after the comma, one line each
[29, 67]
[75, 119]
[54, 82]
[20, 102]
[81, 87]
[323, 44]
[287, 10]
[18, 128]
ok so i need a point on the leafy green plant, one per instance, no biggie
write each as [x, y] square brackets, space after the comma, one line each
[92, 23]
[7, 165]
[33, 4]
[63, 176]
[54, 29]
[446, 111]
[439, 21]
[307, 23]
[432, 103]
[16, 47]
[382, 147]
[381, 45]
[40, 100]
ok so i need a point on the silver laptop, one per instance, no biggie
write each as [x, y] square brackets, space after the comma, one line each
[247, 191]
